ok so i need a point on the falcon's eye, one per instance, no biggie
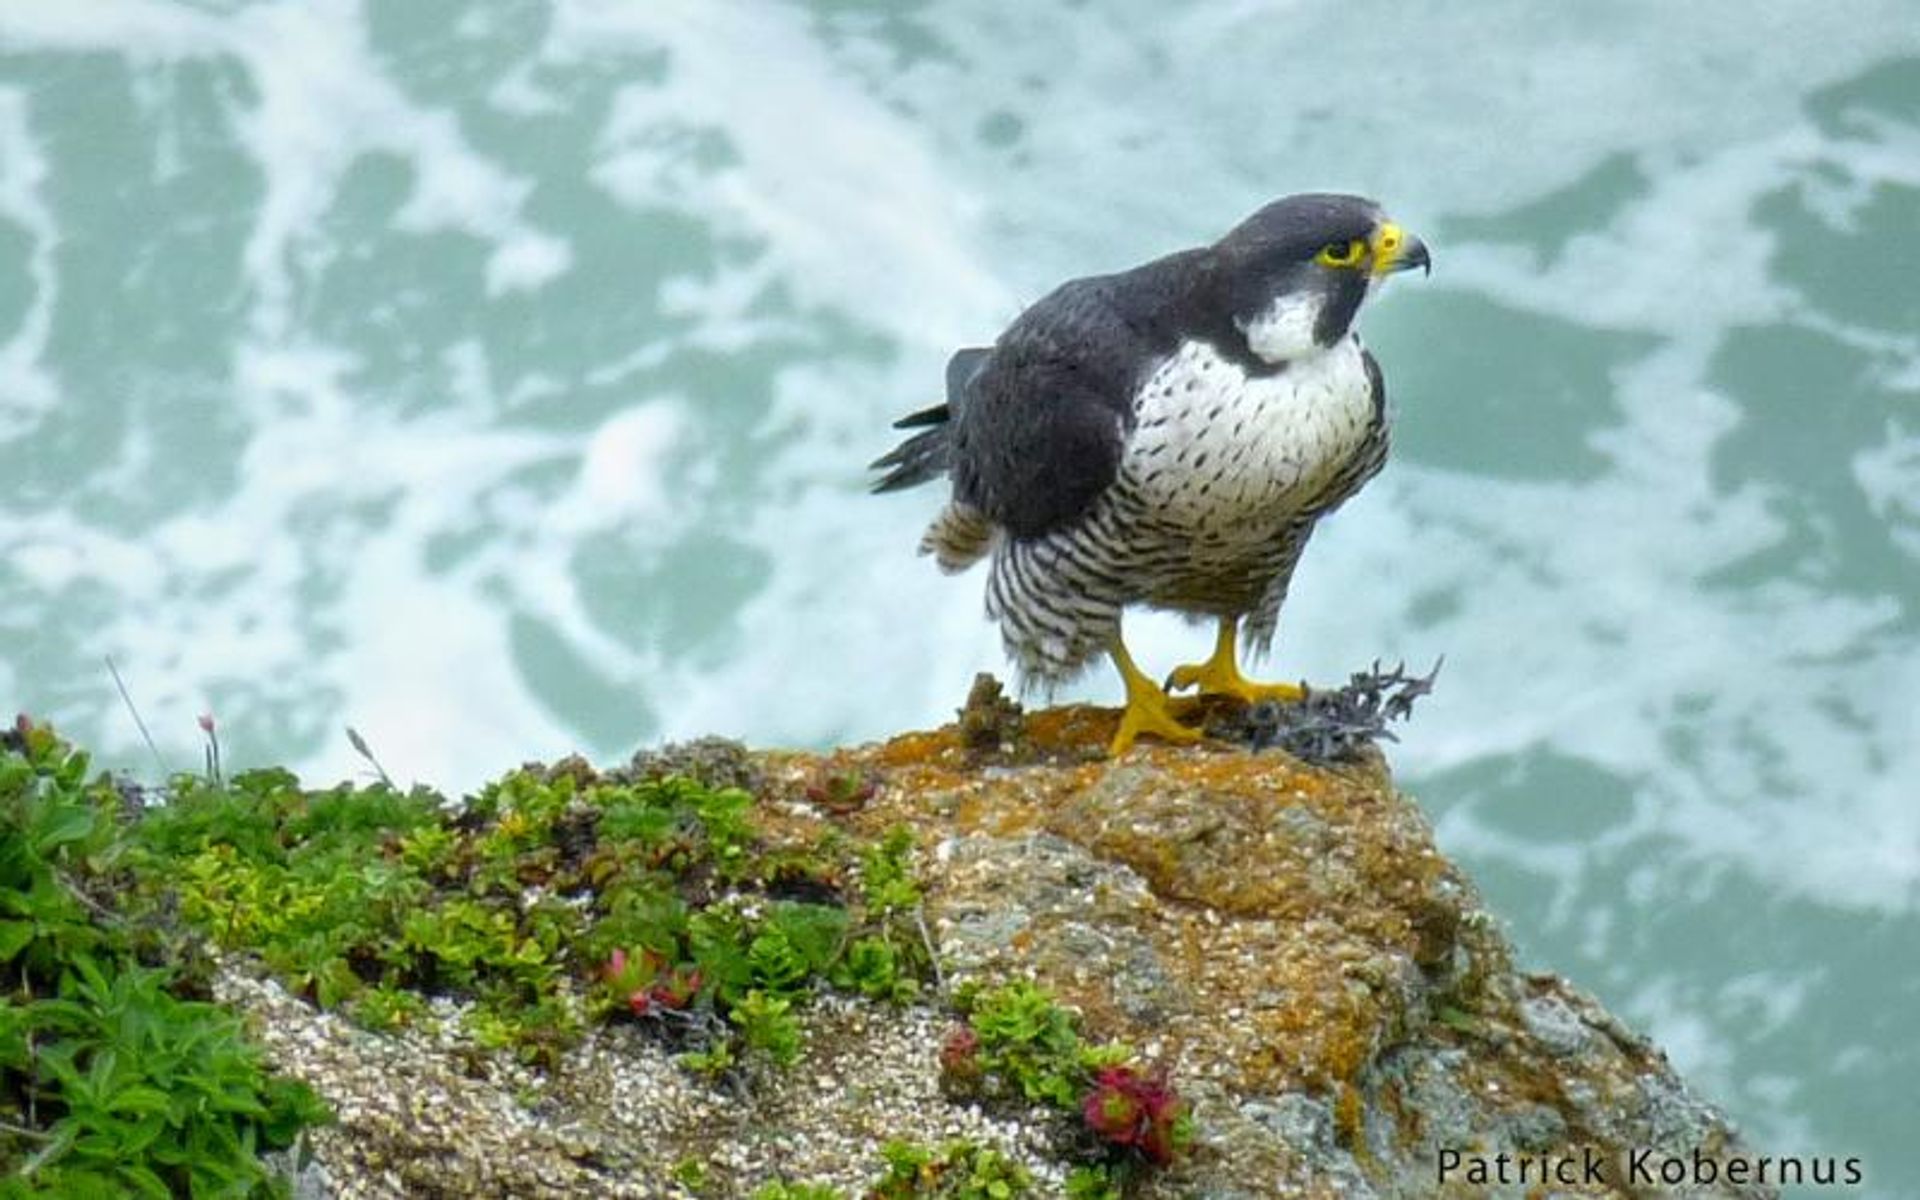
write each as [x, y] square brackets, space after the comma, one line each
[1341, 254]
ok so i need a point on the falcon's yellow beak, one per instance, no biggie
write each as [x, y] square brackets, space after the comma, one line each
[1394, 249]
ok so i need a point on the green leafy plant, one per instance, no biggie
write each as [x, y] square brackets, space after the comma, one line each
[767, 1025]
[959, 1170]
[1097, 1182]
[691, 1173]
[886, 875]
[1028, 1041]
[714, 1059]
[872, 967]
[551, 898]
[111, 1082]
[797, 1191]
[1019, 1042]
[386, 1008]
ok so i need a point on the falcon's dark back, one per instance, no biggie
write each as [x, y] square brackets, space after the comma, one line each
[1034, 426]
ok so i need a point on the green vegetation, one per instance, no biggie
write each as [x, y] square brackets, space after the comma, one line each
[957, 1171]
[1103, 1181]
[1018, 1042]
[550, 900]
[1027, 1041]
[691, 1173]
[114, 1080]
[797, 1191]
[553, 899]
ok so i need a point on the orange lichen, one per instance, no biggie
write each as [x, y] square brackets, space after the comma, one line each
[920, 749]
[1348, 1118]
[1071, 729]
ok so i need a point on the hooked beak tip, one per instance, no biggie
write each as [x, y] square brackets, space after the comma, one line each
[1415, 255]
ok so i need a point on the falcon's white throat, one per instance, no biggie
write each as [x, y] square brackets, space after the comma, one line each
[1283, 330]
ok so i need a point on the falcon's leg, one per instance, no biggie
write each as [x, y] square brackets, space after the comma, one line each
[1220, 675]
[1146, 710]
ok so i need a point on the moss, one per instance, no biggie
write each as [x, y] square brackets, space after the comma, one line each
[553, 898]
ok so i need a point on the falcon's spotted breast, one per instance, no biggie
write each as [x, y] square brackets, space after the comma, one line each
[1165, 436]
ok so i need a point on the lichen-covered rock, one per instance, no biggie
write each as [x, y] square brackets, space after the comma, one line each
[1323, 987]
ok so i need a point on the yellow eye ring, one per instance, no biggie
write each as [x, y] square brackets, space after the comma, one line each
[1341, 254]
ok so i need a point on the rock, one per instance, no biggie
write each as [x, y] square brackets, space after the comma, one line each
[1285, 940]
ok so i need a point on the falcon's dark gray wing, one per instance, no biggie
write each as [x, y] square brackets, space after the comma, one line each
[963, 368]
[1048, 413]
[1035, 426]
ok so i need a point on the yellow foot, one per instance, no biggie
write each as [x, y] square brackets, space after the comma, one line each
[1149, 714]
[1220, 675]
[1147, 710]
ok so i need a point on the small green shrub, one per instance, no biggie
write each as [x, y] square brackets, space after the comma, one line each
[1029, 1041]
[549, 899]
[111, 1084]
[886, 875]
[1098, 1182]
[797, 1191]
[959, 1170]
[768, 1027]
[872, 967]
[1018, 1041]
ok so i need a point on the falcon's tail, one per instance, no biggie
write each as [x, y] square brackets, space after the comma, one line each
[927, 454]
[921, 457]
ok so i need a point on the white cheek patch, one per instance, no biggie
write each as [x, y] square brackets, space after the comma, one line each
[1284, 329]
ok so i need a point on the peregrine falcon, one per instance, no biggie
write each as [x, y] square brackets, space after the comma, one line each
[1165, 436]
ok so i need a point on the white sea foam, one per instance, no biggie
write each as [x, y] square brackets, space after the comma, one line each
[27, 389]
[142, 31]
[622, 475]
[851, 203]
[325, 103]
[1889, 475]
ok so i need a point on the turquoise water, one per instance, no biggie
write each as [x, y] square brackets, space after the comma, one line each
[496, 378]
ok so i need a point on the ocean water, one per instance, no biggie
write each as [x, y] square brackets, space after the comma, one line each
[496, 377]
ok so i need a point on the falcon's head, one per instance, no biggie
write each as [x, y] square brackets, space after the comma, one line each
[1296, 272]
